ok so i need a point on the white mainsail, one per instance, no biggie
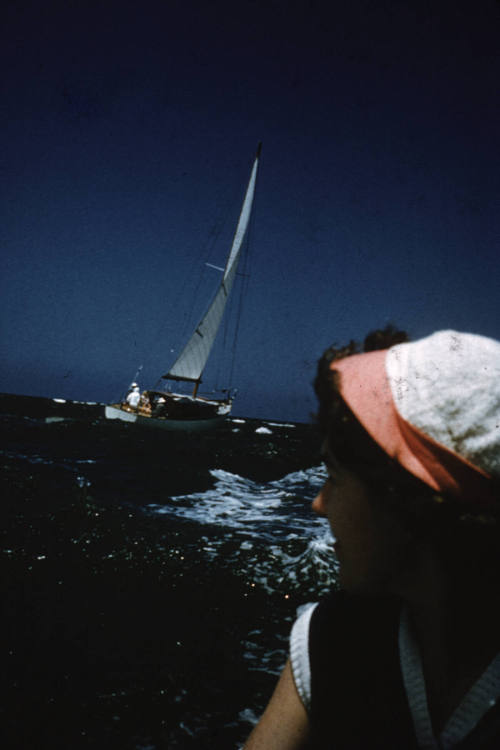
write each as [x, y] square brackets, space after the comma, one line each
[191, 362]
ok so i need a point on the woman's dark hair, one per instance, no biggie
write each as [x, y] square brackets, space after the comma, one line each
[426, 511]
[347, 438]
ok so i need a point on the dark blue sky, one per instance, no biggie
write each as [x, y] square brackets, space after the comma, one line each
[128, 133]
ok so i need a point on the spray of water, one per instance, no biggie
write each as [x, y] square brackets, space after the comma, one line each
[266, 528]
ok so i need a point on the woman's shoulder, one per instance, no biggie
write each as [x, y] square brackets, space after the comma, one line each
[342, 609]
[341, 612]
[351, 635]
[341, 628]
[353, 662]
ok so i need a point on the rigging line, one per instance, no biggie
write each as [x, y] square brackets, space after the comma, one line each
[238, 312]
[192, 311]
[245, 260]
[225, 213]
[233, 317]
[246, 272]
[185, 291]
[224, 361]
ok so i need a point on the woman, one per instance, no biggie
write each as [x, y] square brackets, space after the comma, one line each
[406, 653]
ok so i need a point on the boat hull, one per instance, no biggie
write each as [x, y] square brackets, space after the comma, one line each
[116, 411]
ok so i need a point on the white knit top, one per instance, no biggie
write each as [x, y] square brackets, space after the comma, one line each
[480, 698]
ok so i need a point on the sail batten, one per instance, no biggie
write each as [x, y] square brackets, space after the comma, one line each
[191, 362]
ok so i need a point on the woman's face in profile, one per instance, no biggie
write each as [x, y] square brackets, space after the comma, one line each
[373, 549]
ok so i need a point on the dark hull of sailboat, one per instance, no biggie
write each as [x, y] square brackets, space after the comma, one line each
[185, 414]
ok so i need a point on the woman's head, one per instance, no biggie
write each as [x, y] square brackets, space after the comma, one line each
[419, 423]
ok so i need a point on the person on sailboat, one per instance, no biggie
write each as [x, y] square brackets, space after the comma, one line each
[134, 396]
[406, 654]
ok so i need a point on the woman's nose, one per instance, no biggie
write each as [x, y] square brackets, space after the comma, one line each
[319, 503]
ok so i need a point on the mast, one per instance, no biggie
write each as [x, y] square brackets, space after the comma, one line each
[191, 362]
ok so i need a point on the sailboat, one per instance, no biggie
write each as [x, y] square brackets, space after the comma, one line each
[162, 407]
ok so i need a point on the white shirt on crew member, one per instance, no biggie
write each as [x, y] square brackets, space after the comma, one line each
[133, 398]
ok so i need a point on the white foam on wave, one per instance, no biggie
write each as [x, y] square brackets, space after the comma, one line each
[244, 504]
[281, 543]
[59, 400]
[263, 431]
[234, 502]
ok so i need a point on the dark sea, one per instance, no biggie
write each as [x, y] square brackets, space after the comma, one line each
[150, 578]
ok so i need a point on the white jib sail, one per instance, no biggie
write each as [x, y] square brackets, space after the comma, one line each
[190, 363]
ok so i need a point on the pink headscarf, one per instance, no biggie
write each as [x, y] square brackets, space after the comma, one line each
[434, 406]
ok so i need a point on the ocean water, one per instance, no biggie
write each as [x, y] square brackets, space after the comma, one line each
[150, 579]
